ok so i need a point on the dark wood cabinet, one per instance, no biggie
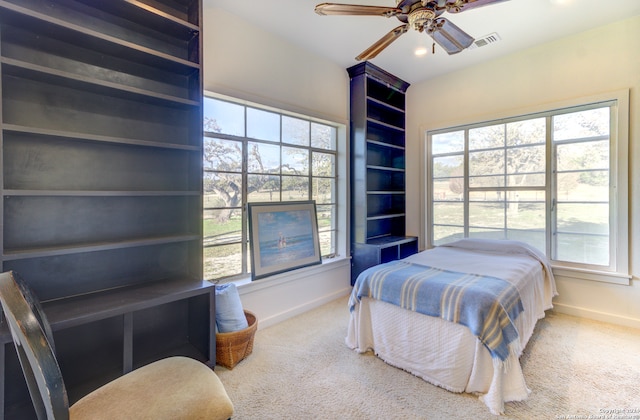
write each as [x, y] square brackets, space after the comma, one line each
[378, 174]
[101, 183]
[100, 336]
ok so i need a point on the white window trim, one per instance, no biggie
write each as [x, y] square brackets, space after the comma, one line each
[247, 285]
[619, 172]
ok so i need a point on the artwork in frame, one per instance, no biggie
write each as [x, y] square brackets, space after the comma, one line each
[284, 236]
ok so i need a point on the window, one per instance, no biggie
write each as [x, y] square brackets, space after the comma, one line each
[257, 154]
[555, 180]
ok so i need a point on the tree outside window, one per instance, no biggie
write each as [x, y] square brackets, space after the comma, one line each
[280, 158]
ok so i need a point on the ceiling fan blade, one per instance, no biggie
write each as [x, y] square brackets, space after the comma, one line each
[326, 9]
[464, 5]
[449, 36]
[382, 43]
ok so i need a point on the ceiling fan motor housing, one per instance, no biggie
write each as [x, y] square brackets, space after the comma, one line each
[421, 18]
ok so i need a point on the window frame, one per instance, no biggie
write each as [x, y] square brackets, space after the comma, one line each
[618, 271]
[339, 167]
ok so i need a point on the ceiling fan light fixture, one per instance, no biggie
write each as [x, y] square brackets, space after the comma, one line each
[420, 51]
[420, 19]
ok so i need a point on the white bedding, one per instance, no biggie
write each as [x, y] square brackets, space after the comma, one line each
[447, 354]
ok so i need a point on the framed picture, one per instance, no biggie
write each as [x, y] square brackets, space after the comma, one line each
[284, 236]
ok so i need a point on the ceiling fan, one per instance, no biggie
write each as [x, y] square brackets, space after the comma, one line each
[421, 15]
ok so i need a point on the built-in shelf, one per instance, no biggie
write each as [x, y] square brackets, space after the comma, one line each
[386, 145]
[19, 254]
[152, 14]
[20, 69]
[378, 178]
[79, 310]
[85, 193]
[385, 216]
[58, 28]
[385, 168]
[385, 125]
[101, 184]
[96, 138]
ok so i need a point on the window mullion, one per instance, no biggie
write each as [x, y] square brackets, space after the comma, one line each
[614, 202]
[505, 182]
[245, 191]
[551, 190]
[466, 183]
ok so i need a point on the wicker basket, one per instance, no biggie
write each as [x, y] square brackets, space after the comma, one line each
[232, 347]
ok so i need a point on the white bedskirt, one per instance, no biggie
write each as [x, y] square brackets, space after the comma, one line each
[441, 352]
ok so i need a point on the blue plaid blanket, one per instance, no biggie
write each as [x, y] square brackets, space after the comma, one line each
[486, 305]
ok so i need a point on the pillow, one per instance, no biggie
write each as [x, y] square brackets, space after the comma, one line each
[229, 313]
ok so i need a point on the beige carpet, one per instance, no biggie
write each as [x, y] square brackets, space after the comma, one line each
[301, 369]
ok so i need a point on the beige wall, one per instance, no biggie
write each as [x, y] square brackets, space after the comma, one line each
[594, 62]
[244, 62]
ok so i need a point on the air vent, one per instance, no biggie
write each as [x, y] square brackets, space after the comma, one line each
[485, 40]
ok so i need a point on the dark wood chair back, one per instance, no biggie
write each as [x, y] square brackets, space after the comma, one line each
[33, 340]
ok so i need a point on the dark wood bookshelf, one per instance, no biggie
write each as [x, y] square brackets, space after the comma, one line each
[378, 176]
[101, 150]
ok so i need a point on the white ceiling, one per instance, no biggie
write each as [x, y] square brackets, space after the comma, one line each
[519, 23]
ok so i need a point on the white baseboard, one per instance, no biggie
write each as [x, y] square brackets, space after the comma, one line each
[305, 307]
[595, 315]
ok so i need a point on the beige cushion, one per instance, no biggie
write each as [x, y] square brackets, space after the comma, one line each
[172, 388]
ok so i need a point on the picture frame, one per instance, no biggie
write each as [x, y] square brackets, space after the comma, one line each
[283, 237]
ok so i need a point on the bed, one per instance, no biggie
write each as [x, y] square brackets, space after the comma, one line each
[433, 315]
